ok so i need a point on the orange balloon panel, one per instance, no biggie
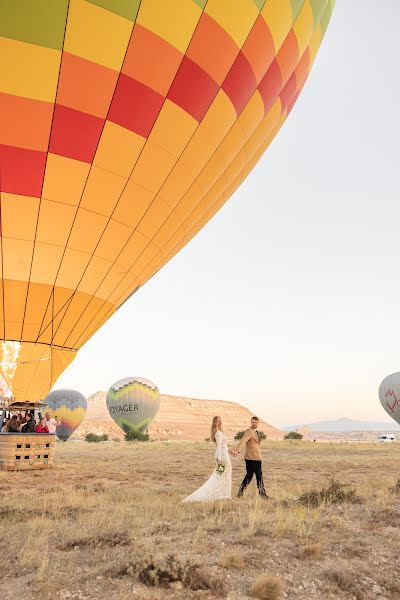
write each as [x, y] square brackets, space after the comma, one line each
[124, 127]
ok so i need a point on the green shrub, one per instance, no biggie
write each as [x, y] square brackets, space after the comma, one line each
[93, 437]
[240, 434]
[135, 435]
[293, 435]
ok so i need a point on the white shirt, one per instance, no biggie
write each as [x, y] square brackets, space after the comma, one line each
[51, 424]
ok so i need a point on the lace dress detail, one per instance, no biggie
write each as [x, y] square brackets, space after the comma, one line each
[217, 487]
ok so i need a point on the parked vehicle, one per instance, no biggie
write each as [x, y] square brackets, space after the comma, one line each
[387, 437]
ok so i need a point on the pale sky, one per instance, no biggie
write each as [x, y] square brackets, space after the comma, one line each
[288, 301]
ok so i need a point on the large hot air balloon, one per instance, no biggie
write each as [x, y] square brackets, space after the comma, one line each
[389, 395]
[69, 406]
[125, 126]
[133, 402]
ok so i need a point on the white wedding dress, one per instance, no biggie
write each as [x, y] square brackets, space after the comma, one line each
[217, 487]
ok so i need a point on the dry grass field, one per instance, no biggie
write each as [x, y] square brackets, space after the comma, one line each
[107, 523]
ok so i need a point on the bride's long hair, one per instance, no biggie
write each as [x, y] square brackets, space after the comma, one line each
[214, 428]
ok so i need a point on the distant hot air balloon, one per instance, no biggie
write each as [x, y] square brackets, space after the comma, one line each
[389, 395]
[70, 408]
[134, 402]
[125, 126]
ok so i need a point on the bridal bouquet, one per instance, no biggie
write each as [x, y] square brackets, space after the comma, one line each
[220, 468]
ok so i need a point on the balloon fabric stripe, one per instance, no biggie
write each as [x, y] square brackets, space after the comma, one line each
[124, 127]
[301, 63]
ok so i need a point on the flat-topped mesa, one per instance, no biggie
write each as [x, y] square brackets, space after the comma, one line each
[178, 418]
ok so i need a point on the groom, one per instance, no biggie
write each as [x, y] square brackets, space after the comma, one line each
[252, 456]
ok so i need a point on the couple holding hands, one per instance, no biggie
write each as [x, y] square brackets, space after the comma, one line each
[219, 485]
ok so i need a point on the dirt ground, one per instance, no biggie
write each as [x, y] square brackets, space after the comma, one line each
[107, 522]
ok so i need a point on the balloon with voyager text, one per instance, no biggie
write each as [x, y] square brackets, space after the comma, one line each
[389, 395]
[133, 402]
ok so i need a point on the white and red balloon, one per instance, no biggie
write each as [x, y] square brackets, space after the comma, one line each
[389, 395]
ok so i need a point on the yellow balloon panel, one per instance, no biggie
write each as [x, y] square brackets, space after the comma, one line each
[117, 147]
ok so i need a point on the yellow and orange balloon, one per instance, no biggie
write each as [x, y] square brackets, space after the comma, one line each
[69, 408]
[125, 126]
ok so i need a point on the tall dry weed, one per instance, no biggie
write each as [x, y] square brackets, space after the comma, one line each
[267, 587]
[395, 489]
[232, 560]
[310, 551]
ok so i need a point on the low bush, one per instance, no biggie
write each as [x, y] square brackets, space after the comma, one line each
[240, 434]
[396, 488]
[105, 540]
[94, 437]
[345, 581]
[267, 587]
[293, 435]
[135, 435]
[335, 493]
[163, 571]
[309, 551]
[232, 560]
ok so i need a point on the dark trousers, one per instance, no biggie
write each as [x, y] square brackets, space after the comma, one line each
[253, 467]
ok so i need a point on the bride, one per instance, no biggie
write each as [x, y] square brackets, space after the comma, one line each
[219, 485]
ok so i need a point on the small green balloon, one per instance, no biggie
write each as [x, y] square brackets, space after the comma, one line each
[133, 402]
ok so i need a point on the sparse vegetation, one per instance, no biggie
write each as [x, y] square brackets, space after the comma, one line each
[95, 438]
[334, 493]
[395, 489]
[240, 434]
[267, 587]
[308, 551]
[345, 581]
[110, 514]
[232, 560]
[293, 435]
[135, 435]
[155, 571]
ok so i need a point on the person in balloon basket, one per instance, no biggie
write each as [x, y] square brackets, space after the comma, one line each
[52, 424]
[41, 427]
[252, 456]
[30, 425]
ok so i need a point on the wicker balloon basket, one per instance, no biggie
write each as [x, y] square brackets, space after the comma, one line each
[26, 451]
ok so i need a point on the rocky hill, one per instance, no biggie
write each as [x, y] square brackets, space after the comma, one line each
[178, 419]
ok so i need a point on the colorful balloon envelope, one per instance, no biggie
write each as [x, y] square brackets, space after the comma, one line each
[133, 402]
[125, 126]
[69, 406]
[389, 395]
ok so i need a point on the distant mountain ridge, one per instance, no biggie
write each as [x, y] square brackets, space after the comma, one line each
[346, 425]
